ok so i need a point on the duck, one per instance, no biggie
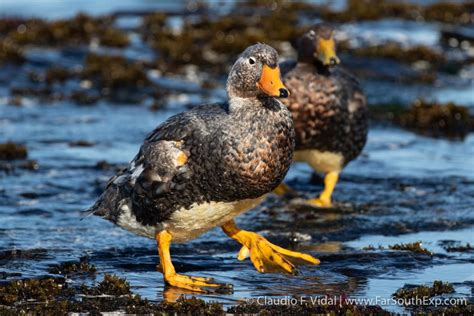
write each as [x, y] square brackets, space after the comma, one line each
[329, 110]
[201, 168]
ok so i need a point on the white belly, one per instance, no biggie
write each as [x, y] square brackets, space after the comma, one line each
[321, 161]
[128, 221]
[187, 224]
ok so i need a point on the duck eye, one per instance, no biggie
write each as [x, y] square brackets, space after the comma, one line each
[251, 61]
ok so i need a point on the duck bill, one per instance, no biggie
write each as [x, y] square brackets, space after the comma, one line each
[326, 52]
[270, 82]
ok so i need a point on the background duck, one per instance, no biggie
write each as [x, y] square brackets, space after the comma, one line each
[328, 107]
[201, 168]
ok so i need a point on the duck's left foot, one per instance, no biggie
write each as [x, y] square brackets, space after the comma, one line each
[319, 202]
[265, 256]
[285, 190]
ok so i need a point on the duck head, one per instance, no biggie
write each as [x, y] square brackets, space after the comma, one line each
[256, 74]
[318, 44]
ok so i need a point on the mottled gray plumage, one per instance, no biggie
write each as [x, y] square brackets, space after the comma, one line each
[327, 103]
[244, 75]
[232, 151]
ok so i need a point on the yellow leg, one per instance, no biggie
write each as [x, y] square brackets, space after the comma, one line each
[265, 256]
[324, 199]
[191, 283]
[284, 189]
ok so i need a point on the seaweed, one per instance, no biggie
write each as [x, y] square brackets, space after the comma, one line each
[27, 254]
[53, 296]
[415, 247]
[114, 72]
[456, 37]
[110, 285]
[83, 97]
[113, 37]
[438, 288]
[153, 23]
[31, 91]
[305, 308]
[430, 119]
[461, 248]
[386, 112]
[360, 10]
[35, 289]
[8, 167]
[81, 143]
[10, 52]
[9, 24]
[214, 41]
[73, 267]
[155, 106]
[454, 310]
[371, 248]
[15, 101]
[57, 74]
[80, 30]
[438, 120]
[103, 165]
[395, 51]
[12, 151]
[192, 306]
[449, 12]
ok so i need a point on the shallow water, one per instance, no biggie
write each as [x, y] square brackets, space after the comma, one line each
[378, 32]
[404, 188]
[59, 9]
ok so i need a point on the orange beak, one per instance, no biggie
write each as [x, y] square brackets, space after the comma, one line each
[270, 83]
[326, 52]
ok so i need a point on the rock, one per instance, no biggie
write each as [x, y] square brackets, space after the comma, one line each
[12, 151]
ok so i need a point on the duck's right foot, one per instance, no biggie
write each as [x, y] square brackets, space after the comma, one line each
[196, 284]
[265, 256]
[191, 283]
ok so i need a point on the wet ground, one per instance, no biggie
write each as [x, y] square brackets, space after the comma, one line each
[403, 189]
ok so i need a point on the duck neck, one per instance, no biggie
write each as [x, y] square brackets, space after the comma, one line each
[238, 103]
[253, 105]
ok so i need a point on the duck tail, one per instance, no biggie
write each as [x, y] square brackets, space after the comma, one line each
[108, 204]
[95, 209]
